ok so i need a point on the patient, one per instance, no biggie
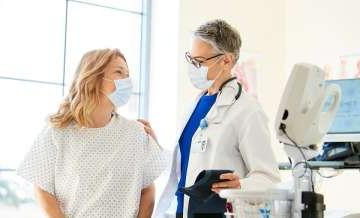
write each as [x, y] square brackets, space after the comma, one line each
[89, 161]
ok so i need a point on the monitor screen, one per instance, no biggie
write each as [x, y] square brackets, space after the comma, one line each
[347, 120]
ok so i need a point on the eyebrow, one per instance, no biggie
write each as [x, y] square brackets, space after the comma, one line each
[198, 57]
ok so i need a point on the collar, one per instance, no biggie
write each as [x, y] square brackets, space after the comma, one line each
[226, 97]
[228, 93]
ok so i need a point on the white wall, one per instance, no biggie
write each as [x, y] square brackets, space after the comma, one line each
[164, 63]
[319, 31]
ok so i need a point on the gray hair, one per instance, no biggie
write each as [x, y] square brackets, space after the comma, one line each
[223, 37]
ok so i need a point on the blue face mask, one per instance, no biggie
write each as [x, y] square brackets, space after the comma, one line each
[122, 93]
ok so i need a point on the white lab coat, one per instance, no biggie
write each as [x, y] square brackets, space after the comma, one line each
[238, 139]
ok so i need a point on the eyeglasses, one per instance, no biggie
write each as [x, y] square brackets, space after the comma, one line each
[197, 61]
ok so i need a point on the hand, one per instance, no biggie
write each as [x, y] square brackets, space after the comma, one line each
[148, 129]
[233, 181]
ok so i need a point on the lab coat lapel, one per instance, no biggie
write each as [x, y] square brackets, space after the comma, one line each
[187, 116]
[176, 164]
[216, 115]
[224, 100]
[174, 174]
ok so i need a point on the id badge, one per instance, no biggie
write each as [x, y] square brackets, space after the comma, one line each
[200, 142]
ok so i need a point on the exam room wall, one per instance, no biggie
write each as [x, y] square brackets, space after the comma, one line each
[319, 32]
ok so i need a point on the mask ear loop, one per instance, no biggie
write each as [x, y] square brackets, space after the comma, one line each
[219, 74]
[232, 78]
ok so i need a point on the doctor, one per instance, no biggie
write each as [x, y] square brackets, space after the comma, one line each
[226, 129]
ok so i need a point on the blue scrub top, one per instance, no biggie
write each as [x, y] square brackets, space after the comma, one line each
[202, 108]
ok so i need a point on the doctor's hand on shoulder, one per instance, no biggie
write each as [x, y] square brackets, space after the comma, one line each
[148, 129]
[232, 181]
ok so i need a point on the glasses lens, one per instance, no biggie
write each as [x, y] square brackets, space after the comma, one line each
[192, 61]
[188, 57]
[197, 64]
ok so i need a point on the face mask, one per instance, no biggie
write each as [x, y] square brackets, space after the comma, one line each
[122, 93]
[198, 77]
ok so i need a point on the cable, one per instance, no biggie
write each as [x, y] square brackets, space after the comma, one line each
[328, 177]
[283, 129]
[296, 165]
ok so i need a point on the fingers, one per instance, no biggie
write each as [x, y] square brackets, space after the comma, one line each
[150, 132]
[229, 176]
[148, 129]
[233, 181]
[145, 122]
[147, 126]
[217, 187]
[227, 184]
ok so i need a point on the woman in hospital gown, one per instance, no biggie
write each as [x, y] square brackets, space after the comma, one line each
[89, 161]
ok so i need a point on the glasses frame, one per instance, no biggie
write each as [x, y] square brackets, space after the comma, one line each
[197, 63]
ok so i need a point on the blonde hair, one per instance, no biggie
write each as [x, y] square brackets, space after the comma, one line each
[85, 89]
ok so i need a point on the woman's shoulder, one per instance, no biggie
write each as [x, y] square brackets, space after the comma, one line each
[47, 127]
[130, 132]
[45, 135]
[132, 126]
[58, 133]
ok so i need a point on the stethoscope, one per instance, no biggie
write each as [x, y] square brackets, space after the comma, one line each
[201, 139]
[204, 123]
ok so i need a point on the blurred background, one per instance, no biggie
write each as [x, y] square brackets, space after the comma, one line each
[41, 43]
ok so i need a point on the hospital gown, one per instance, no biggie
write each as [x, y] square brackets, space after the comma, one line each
[95, 172]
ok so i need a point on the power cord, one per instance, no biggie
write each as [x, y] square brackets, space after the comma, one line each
[307, 165]
[328, 177]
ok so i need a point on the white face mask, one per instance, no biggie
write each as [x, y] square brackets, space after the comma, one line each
[122, 93]
[198, 76]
